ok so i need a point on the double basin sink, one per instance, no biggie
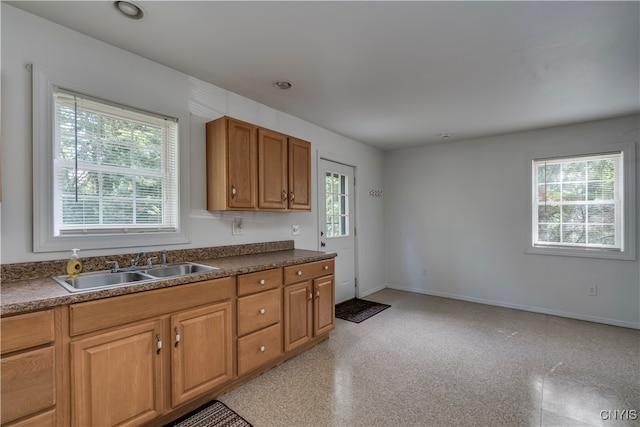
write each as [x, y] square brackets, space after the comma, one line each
[108, 279]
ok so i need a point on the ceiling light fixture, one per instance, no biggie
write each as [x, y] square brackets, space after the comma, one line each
[129, 9]
[283, 85]
[445, 135]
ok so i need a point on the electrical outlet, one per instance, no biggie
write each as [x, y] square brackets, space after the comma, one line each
[592, 290]
[236, 227]
[295, 230]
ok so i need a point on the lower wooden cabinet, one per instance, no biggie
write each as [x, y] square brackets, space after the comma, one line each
[28, 367]
[116, 377]
[129, 375]
[309, 296]
[201, 351]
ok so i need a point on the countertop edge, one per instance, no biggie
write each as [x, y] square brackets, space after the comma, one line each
[229, 266]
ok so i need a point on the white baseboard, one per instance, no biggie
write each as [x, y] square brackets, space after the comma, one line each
[371, 291]
[540, 310]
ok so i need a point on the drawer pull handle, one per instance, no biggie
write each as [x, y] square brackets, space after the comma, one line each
[262, 311]
[158, 344]
[299, 273]
[261, 281]
[326, 267]
[177, 336]
[262, 348]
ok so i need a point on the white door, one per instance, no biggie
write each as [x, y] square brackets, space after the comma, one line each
[336, 190]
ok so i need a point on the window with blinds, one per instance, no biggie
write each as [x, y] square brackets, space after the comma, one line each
[115, 168]
[578, 202]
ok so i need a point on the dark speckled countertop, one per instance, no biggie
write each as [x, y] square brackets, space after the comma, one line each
[19, 296]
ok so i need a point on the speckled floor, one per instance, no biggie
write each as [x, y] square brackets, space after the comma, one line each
[429, 361]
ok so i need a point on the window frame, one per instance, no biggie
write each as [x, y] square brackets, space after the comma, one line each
[628, 180]
[45, 82]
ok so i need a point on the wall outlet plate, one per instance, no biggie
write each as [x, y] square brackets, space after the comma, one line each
[236, 227]
[295, 230]
[592, 290]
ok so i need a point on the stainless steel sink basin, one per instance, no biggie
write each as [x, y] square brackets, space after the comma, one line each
[180, 269]
[107, 279]
[101, 279]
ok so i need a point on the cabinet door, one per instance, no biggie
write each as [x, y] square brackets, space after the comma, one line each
[299, 174]
[116, 377]
[242, 167]
[202, 350]
[298, 318]
[324, 306]
[272, 170]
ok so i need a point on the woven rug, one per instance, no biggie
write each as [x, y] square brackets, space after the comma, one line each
[212, 414]
[357, 310]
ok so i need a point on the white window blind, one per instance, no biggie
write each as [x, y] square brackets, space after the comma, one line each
[578, 202]
[115, 168]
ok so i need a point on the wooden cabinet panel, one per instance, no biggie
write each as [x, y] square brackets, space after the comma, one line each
[272, 170]
[258, 311]
[298, 273]
[95, 315]
[232, 168]
[116, 377]
[298, 320]
[258, 348]
[27, 330]
[242, 157]
[324, 305]
[202, 355]
[259, 281]
[28, 383]
[46, 419]
[299, 174]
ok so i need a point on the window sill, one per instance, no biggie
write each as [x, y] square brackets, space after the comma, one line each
[585, 253]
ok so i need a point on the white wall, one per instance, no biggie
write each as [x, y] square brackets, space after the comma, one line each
[28, 39]
[457, 209]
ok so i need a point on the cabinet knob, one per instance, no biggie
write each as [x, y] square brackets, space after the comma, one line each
[284, 195]
[177, 336]
[326, 267]
[158, 344]
[261, 282]
[299, 273]
[310, 296]
[292, 196]
[262, 348]
[262, 311]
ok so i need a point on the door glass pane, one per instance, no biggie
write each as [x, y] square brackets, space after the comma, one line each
[337, 202]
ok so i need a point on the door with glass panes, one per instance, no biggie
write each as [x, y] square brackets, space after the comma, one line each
[336, 191]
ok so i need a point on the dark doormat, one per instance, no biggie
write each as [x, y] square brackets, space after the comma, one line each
[212, 414]
[357, 310]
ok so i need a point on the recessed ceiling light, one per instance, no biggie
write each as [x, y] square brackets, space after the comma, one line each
[446, 135]
[129, 9]
[283, 85]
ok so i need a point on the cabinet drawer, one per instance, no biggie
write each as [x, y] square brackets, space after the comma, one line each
[46, 419]
[28, 383]
[27, 330]
[259, 348]
[95, 315]
[310, 270]
[259, 281]
[258, 311]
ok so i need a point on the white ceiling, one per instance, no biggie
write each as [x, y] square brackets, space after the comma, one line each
[393, 74]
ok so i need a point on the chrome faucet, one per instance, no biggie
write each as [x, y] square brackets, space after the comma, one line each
[136, 260]
[164, 257]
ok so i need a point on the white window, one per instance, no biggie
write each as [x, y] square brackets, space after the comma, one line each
[580, 204]
[115, 168]
[337, 204]
[107, 172]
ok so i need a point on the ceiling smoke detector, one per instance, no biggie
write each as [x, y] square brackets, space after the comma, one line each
[129, 9]
[282, 85]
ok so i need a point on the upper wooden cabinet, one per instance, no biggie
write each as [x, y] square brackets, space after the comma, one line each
[254, 168]
[232, 165]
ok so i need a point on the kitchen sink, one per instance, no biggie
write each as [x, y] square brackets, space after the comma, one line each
[101, 279]
[108, 279]
[179, 269]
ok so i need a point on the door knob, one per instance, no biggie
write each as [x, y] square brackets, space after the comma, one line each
[323, 244]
